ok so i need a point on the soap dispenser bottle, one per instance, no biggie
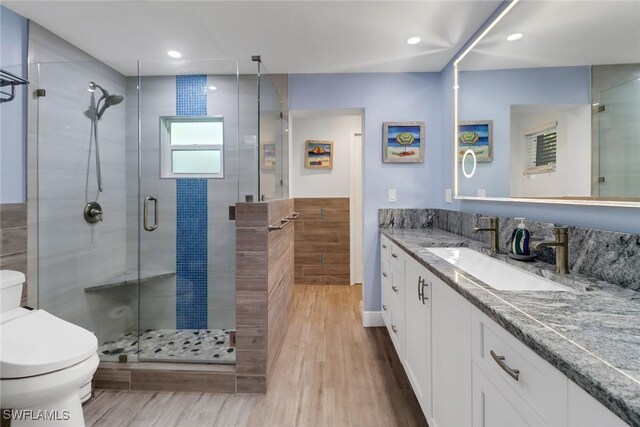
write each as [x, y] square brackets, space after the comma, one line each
[520, 239]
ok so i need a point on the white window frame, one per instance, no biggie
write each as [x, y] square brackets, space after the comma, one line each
[166, 148]
[530, 137]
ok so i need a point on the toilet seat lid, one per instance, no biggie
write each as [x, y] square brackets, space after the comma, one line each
[38, 343]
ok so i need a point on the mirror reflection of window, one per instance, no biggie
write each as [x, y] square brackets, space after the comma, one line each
[541, 149]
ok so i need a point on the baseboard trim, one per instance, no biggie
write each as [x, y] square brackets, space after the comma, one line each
[371, 319]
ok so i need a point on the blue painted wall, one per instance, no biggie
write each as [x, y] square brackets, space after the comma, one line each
[383, 97]
[13, 123]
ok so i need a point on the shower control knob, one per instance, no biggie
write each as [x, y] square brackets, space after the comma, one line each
[93, 212]
[96, 213]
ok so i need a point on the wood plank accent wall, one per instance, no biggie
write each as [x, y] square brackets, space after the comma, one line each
[264, 290]
[322, 245]
[13, 238]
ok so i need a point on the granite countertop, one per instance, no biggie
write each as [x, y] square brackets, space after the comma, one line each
[591, 333]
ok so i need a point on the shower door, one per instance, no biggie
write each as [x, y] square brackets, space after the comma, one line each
[619, 141]
[187, 160]
[81, 265]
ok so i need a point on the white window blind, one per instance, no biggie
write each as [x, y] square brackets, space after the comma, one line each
[541, 148]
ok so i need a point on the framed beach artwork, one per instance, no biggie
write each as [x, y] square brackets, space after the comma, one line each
[403, 142]
[318, 155]
[269, 156]
[476, 136]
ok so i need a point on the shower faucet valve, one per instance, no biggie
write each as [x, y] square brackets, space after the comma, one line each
[92, 212]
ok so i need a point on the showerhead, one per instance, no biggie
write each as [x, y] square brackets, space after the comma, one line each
[108, 99]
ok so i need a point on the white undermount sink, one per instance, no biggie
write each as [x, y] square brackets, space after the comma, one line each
[497, 274]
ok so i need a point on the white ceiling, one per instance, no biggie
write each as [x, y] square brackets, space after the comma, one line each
[561, 33]
[291, 36]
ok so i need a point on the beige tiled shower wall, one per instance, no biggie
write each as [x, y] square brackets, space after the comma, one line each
[322, 241]
[13, 235]
[264, 289]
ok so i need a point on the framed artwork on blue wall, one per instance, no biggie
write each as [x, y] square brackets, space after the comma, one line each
[476, 136]
[403, 142]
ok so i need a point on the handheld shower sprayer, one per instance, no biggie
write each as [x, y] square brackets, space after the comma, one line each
[108, 100]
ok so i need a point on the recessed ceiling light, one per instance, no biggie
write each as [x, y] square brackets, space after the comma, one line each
[212, 88]
[413, 40]
[174, 54]
[515, 36]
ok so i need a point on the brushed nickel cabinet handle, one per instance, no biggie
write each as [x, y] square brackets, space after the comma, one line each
[394, 255]
[385, 274]
[384, 307]
[384, 246]
[395, 330]
[424, 296]
[420, 281]
[395, 289]
[513, 373]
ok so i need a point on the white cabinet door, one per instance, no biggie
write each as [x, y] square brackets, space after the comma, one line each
[585, 411]
[490, 407]
[451, 356]
[417, 337]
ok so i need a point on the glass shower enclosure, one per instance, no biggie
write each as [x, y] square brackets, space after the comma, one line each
[136, 167]
[618, 142]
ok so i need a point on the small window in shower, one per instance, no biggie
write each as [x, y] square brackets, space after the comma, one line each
[191, 147]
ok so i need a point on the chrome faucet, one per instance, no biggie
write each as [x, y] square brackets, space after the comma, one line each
[495, 232]
[561, 243]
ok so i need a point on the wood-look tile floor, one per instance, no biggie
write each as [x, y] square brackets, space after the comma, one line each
[331, 372]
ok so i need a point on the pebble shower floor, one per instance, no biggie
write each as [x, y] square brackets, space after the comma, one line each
[176, 345]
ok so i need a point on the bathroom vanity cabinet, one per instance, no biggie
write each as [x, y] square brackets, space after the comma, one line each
[464, 368]
[417, 317]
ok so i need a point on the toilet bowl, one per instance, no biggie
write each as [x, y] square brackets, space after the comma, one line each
[45, 362]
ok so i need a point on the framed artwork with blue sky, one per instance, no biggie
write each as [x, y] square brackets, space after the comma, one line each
[477, 137]
[403, 142]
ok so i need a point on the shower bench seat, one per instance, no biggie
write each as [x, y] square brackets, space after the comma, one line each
[130, 278]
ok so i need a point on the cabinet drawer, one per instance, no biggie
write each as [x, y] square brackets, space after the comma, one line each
[385, 245]
[493, 407]
[396, 287]
[386, 308]
[395, 327]
[396, 257]
[385, 278]
[499, 354]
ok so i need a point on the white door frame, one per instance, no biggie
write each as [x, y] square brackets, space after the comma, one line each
[356, 223]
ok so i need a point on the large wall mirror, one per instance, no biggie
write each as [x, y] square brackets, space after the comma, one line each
[548, 105]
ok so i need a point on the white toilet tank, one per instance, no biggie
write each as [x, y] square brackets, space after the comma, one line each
[10, 289]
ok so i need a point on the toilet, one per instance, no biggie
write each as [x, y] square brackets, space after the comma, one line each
[46, 363]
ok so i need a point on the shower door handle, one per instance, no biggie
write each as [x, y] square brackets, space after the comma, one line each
[145, 213]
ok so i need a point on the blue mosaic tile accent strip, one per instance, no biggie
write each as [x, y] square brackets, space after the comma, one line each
[192, 276]
[191, 95]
